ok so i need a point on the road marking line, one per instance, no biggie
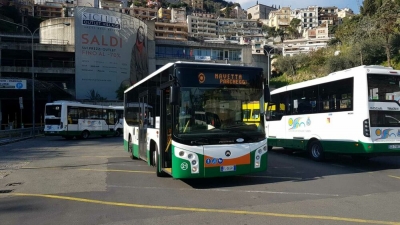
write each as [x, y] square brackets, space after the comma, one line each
[225, 190]
[291, 178]
[87, 169]
[394, 176]
[125, 171]
[242, 212]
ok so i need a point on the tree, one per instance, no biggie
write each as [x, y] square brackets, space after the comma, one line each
[120, 91]
[94, 95]
[249, 16]
[294, 24]
[387, 25]
[368, 8]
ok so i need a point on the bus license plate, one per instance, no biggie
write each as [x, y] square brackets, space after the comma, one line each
[228, 168]
[394, 147]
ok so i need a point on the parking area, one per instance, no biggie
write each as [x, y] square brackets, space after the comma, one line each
[50, 180]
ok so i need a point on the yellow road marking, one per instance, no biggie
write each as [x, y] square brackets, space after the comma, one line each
[299, 216]
[125, 171]
[394, 176]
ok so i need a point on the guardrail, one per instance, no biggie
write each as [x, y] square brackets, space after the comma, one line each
[14, 135]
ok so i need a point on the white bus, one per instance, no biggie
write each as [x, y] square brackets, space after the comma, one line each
[73, 119]
[119, 115]
[119, 119]
[194, 130]
[354, 112]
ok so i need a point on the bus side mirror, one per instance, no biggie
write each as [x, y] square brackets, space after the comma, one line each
[174, 95]
[267, 94]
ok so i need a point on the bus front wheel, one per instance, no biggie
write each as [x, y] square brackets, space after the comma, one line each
[316, 150]
[85, 134]
[157, 163]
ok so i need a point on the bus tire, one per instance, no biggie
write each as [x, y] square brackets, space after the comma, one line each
[156, 160]
[85, 134]
[130, 148]
[117, 133]
[316, 151]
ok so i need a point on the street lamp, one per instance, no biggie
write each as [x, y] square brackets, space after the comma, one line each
[267, 50]
[33, 67]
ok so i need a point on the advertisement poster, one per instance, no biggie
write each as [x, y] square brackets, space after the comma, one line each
[110, 52]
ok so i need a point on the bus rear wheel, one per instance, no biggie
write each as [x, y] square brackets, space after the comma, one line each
[117, 133]
[316, 151]
[85, 134]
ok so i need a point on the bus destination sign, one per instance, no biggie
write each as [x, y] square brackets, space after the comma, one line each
[12, 84]
[223, 78]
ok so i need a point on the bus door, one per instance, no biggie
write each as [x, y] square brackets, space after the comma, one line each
[143, 100]
[166, 130]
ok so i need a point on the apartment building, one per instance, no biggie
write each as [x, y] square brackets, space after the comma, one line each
[280, 18]
[171, 31]
[195, 4]
[202, 26]
[328, 15]
[178, 15]
[308, 17]
[260, 11]
[346, 12]
[50, 10]
[237, 27]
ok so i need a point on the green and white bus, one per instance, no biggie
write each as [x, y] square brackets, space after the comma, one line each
[71, 119]
[354, 112]
[170, 135]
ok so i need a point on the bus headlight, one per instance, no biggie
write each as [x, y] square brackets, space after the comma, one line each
[194, 162]
[257, 164]
[265, 148]
[259, 151]
[194, 169]
[190, 156]
[181, 153]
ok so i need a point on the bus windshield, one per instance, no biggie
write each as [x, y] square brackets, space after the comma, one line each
[383, 87]
[216, 111]
[53, 110]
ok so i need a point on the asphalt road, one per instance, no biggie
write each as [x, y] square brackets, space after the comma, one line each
[55, 181]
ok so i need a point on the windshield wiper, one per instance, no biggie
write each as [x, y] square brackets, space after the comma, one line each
[235, 130]
[200, 141]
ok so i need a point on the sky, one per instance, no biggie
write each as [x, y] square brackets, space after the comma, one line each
[352, 4]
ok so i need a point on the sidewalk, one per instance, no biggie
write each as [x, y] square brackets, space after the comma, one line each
[11, 136]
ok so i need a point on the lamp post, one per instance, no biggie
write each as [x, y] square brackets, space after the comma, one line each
[33, 66]
[267, 51]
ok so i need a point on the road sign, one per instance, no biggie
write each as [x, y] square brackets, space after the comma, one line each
[12, 84]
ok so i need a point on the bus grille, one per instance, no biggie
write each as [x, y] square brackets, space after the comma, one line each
[52, 121]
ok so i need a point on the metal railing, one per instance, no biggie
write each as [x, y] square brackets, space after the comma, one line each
[13, 135]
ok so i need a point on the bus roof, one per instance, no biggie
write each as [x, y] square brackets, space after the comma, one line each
[338, 75]
[78, 104]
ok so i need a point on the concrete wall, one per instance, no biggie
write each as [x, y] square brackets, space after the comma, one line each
[54, 31]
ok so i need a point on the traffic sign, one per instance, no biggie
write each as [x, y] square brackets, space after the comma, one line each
[12, 84]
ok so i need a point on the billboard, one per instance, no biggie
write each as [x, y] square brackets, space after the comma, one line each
[12, 84]
[110, 52]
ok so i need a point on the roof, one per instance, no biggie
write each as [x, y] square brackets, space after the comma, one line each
[43, 91]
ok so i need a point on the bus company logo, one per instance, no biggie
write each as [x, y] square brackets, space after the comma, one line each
[393, 108]
[375, 108]
[385, 134]
[228, 153]
[297, 123]
[100, 20]
[202, 78]
[184, 166]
